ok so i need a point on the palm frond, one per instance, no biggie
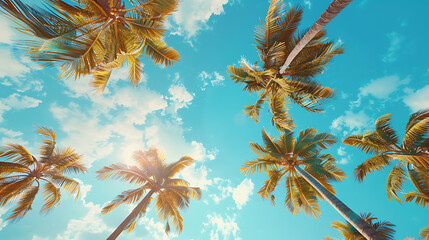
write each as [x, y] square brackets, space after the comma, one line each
[424, 233]
[419, 199]
[166, 208]
[103, 71]
[66, 183]
[420, 160]
[366, 144]
[24, 204]
[128, 197]
[395, 180]
[384, 130]
[7, 168]
[159, 52]
[156, 8]
[176, 167]
[269, 185]
[281, 119]
[10, 189]
[375, 163]
[136, 69]
[52, 197]
[48, 147]
[259, 165]
[266, 34]
[306, 197]
[17, 153]
[123, 172]
[255, 110]
[289, 23]
[291, 200]
[310, 143]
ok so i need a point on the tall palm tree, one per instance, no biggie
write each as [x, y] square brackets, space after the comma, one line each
[153, 174]
[330, 13]
[385, 228]
[22, 175]
[94, 36]
[412, 155]
[275, 39]
[283, 157]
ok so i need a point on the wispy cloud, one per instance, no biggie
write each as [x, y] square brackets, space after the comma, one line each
[308, 3]
[241, 194]
[394, 46]
[351, 122]
[17, 102]
[418, 99]
[226, 227]
[214, 79]
[192, 16]
[380, 88]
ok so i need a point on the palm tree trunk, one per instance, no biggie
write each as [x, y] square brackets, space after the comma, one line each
[336, 7]
[130, 217]
[363, 227]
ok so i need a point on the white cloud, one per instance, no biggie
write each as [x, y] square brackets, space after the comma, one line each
[242, 192]
[351, 122]
[156, 229]
[111, 119]
[10, 66]
[418, 99]
[92, 222]
[226, 227]
[395, 45]
[342, 153]
[169, 138]
[6, 31]
[35, 237]
[85, 132]
[10, 136]
[17, 101]
[381, 88]
[224, 187]
[10, 133]
[3, 223]
[308, 3]
[215, 79]
[180, 96]
[192, 16]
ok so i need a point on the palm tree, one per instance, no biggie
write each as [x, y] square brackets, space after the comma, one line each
[153, 174]
[94, 36]
[385, 228]
[22, 175]
[412, 155]
[330, 13]
[275, 39]
[283, 157]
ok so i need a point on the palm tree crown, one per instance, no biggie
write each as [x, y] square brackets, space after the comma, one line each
[385, 228]
[22, 175]
[275, 39]
[152, 174]
[94, 36]
[412, 155]
[279, 159]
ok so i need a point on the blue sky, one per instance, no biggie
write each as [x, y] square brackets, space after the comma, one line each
[193, 108]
